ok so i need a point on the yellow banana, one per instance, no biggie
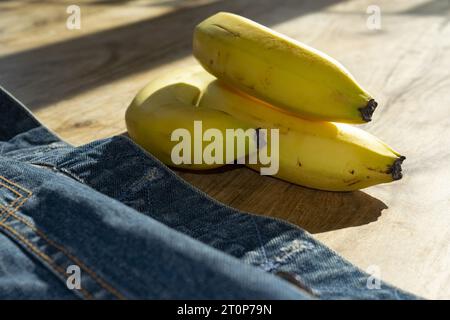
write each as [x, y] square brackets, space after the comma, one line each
[280, 70]
[169, 103]
[321, 155]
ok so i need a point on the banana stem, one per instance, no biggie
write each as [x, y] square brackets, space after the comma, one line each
[396, 169]
[368, 110]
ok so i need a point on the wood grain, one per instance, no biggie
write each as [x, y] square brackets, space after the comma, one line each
[80, 82]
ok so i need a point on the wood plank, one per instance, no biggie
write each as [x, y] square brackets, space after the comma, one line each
[80, 82]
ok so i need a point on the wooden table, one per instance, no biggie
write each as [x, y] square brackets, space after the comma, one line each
[79, 83]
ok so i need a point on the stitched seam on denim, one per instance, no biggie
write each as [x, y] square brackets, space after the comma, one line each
[9, 187]
[14, 184]
[13, 205]
[70, 174]
[97, 278]
[9, 206]
[19, 204]
[42, 255]
[57, 169]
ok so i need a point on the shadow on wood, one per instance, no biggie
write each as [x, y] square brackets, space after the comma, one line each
[313, 210]
[44, 75]
[432, 7]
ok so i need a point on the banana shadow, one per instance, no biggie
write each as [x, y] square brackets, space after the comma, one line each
[313, 210]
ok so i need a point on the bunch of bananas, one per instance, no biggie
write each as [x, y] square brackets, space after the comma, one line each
[258, 78]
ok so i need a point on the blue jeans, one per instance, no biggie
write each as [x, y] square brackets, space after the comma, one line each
[127, 227]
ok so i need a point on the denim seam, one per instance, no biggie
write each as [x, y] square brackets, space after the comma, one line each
[94, 276]
[10, 209]
[10, 204]
[57, 169]
[14, 205]
[74, 259]
[9, 187]
[42, 255]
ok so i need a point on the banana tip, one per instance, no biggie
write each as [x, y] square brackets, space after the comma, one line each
[396, 169]
[368, 110]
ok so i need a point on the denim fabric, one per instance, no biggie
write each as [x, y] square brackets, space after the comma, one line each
[137, 230]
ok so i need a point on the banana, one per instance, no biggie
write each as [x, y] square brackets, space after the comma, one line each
[169, 103]
[316, 154]
[321, 155]
[282, 71]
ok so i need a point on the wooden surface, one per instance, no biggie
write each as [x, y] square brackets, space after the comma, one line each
[79, 83]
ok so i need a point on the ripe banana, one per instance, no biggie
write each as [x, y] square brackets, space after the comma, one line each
[280, 70]
[169, 103]
[321, 155]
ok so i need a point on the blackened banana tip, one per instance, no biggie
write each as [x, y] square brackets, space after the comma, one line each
[396, 169]
[368, 110]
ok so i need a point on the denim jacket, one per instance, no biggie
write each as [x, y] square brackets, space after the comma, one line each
[130, 228]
